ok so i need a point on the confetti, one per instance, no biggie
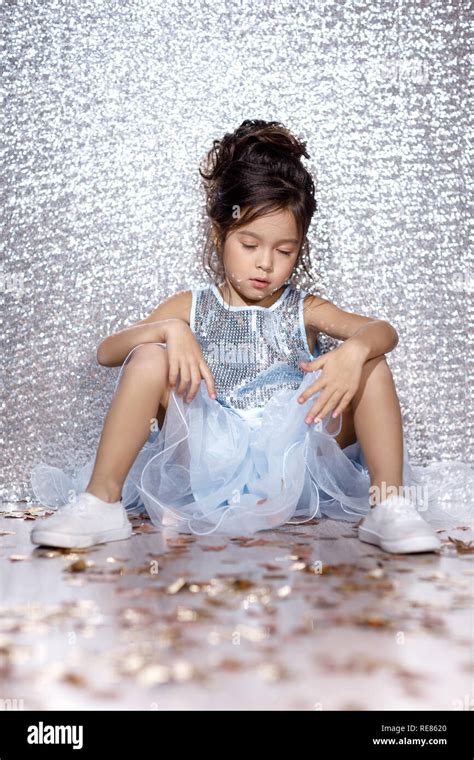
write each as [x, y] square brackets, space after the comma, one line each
[462, 547]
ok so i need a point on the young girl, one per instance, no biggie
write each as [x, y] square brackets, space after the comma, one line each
[228, 414]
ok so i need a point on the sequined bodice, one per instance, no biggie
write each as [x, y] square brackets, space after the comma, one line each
[252, 351]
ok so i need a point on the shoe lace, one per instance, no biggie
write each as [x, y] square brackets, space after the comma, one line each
[72, 507]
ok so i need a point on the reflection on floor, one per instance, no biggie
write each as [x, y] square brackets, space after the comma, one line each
[300, 618]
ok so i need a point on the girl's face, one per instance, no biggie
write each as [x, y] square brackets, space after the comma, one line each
[264, 250]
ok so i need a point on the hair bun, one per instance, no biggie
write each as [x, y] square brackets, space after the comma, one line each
[256, 142]
[268, 133]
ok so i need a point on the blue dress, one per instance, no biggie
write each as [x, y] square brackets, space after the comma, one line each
[247, 461]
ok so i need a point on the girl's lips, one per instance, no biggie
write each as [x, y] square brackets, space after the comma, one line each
[259, 283]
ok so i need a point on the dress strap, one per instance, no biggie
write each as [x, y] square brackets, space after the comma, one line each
[192, 315]
[304, 337]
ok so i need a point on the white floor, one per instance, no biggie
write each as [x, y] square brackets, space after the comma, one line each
[165, 621]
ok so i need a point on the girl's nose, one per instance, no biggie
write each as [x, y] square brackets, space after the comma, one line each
[265, 261]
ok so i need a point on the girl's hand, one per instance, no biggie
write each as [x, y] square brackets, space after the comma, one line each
[338, 382]
[186, 358]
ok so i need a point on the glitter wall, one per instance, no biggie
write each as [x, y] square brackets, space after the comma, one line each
[108, 108]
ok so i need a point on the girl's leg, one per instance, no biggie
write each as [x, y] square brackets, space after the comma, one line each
[143, 389]
[378, 425]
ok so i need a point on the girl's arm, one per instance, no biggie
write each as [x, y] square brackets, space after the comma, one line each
[341, 369]
[369, 337]
[114, 349]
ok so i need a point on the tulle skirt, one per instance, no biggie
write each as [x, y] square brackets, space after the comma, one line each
[211, 468]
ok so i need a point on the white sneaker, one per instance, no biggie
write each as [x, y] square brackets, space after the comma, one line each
[84, 522]
[396, 526]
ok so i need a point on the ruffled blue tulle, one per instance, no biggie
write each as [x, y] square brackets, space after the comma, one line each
[213, 469]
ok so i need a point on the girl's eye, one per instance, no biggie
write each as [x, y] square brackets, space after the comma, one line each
[287, 253]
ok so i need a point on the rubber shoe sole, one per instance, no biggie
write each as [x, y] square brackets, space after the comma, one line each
[77, 541]
[400, 546]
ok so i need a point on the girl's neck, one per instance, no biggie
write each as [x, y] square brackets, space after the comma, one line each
[229, 296]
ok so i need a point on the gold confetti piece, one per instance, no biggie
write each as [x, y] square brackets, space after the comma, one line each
[213, 548]
[132, 663]
[272, 671]
[241, 584]
[247, 541]
[462, 547]
[180, 541]
[341, 569]
[326, 603]
[377, 572]
[45, 551]
[18, 557]
[186, 615]
[72, 552]
[74, 679]
[461, 601]
[437, 575]
[16, 515]
[178, 585]
[102, 577]
[374, 621]
[137, 529]
[7, 533]
[359, 662]
[79, 566]
[274, 577]
[154, 674]
[230, 665]
[252, 634]
[135, 616]
[183, 670]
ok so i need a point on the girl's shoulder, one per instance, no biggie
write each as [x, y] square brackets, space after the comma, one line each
[310, 305]
[176, 306]
[310, 299]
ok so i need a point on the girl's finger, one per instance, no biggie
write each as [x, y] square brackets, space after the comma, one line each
[195, 382]
[318, 411]
[185, 377]
[316, 406]
[173, 371]
[341, 405]
[331, 404]
[313, 364]
[311, 390]
[209, 378]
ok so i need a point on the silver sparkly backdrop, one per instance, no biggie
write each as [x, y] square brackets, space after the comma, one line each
[108, 108]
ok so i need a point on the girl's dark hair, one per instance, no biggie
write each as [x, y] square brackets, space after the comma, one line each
[255, 170]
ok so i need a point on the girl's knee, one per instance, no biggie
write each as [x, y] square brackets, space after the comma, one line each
[377, 365]
[149, 357]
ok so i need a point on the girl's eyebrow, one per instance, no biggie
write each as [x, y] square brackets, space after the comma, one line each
[254, 234]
